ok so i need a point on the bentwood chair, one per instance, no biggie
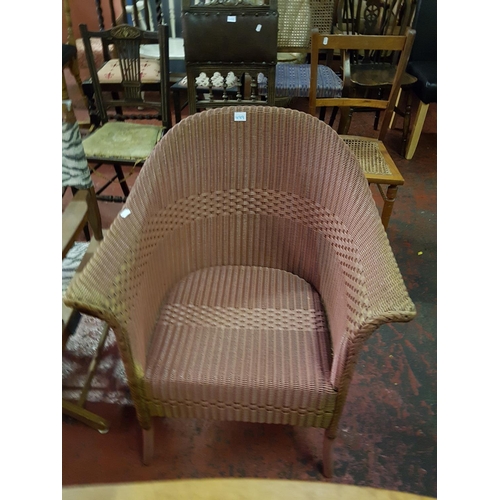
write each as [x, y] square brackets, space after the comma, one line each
[119, 139]
[375, 160]
[82, 209]
[246, 273]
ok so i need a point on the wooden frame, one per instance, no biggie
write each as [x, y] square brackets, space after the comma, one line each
[345, 43]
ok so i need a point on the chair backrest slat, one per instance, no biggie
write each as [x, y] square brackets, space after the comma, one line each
[126, 41]
[402, 44]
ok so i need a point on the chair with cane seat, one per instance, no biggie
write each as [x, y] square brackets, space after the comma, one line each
[371, 153]
[248, 272]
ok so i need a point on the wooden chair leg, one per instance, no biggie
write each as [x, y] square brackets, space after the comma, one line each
[406, 123]
[87, 417]
[75, 71]
[333, 116]
[389, 198]
[345, 120]
[65, 95]
[327, 456]
[121, 178]
[417, 130]
[393, 117]
[148, 444]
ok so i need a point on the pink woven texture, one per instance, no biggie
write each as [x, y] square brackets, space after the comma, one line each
[244, 241]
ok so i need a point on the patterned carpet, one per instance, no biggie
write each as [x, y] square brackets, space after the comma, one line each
[109, 384]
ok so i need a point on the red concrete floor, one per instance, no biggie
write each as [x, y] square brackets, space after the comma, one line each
[387, 435]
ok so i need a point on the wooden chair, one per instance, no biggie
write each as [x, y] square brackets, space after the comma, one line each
[139, 13]
[250, 270]
[70, 54]
[377, 164]
[81, 210]
[223, 45]
[372, 72]
[120, 142]
[423, 66]
[295, 20]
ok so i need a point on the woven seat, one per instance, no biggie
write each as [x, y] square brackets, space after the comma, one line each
[247, 272]
[252, 312]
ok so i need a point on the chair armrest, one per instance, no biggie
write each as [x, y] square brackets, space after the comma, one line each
[73, 220]
[376, 295]
[109, 285]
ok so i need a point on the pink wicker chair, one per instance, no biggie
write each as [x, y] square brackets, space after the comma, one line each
[250, 270]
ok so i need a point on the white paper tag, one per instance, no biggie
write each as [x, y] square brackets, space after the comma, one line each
[325, 40]
[231, 19]
[258, 27]
[125, 213]
[240, 116]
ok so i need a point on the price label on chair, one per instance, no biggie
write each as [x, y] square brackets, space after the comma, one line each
[240, 116]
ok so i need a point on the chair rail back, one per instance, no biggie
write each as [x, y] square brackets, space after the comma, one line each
[346, 43]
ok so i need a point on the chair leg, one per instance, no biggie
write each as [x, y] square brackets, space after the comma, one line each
[389, 198]
[148, 444]
[327, 456]
[406, 123]
[333, 116]
[121, 178]
[87, 417]
[393, 117]
[345, 120]
[75, 71]
[417, 130]
[65, 95]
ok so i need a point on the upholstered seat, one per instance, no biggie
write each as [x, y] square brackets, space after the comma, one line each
[292, 80]
[426, 74]
[111, 71]
[121, 140]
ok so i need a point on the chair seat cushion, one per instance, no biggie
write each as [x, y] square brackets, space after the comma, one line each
[68, 53]
[292, 80]
[112, 73]
[242, 343]
[426, 86]
[121, 140]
